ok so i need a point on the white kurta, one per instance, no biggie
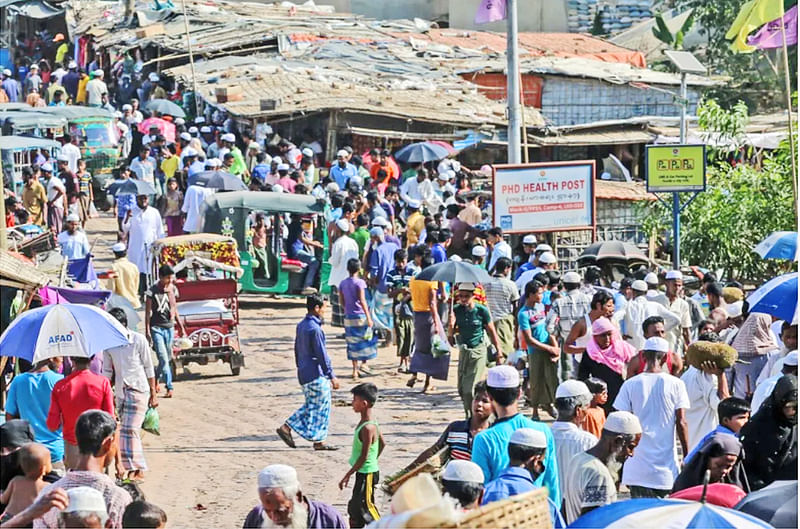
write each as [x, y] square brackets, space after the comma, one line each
[143, 228]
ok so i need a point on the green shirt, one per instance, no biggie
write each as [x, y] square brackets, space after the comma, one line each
[471, 323]
[361, 236]
[239, 166]
[371, 463]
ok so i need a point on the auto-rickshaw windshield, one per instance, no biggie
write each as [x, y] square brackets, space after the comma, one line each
[97, 134]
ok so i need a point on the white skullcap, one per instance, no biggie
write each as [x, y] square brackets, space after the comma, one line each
[529, 239]
[572, 388]
[674, 274]
[205, 129]
[193, 130]
[188, 152]
[377, 231]
[413, 203]
[656, 343]
[199, 119]
[229, 137]
[571, 277]
[456, 258]
[332, 187]
[153, 77]
[36, 67]
[344, 225]
[117, 114]
[467, 287]
[126, 106]
[528, 437]
[63, 158]
[283, 167]
[180, 121]
[734, 309]
[479, 251]
[444, 175]
[277, 188]
[87, 499]
[47, 167]
[214, 162]
[118, 247]
[341, 154]
[308, 151]
[547, 258]
[790, 359]
[72, 65]
[72, 217]
[277, 477]
[255, 146]
[456, 166]
[544, 248]
[7, 72]
[463, 470]
[651, 278]
[501, 377]
[639, 285]
[99, 73]
[622, 422]
[380, 221]
[185, 136]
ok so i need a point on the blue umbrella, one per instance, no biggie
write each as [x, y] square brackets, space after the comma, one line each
[776, 504]
[61, 330]
[163, 106]
[779, 245]
[777, 297]
[131, 186]
[421, 152]
[667, 514]
[220, 180]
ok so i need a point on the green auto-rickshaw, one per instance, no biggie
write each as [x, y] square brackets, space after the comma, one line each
[229, 213]
[17, 152]
[26, 123]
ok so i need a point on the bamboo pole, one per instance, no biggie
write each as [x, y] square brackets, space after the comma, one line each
[789, 106]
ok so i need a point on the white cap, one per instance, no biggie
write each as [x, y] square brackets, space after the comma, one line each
[200, 119]
[36, 67]
[72, 65]
[254, 146]
[479, 251]
[413, 203]
[377, 231]
[639, 285]
[656, 343]
[193, 130]
[117, 114]
[528, 437]
[572, 388]
[529, 239]
[126, 106]
[456, 165]
[790, 359]
[214, 162]
[99, 73]
[622, 422]
[651, 278]
[188, 151]
[180, 121]
[734, 309]
[63, 158]
[467, 287]
[673, 274]
[186, 136]
[308, 151]
[444, 176]
[571, 277]
[47, 167]
[503, 377]
[344, 225]
[278, 476]
[72, 217]
[544, 248]
[229, 137]
[341, 154]
[380, 221]
[205, 129]
[153, 77]
[283, 167]
[118, 247]
[87, 499]
[463, 470]
[277, 188]
[7, 72]
[456, 258]
[332, 187]
[547, 258]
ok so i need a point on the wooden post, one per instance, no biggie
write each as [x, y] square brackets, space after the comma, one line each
[789, 107]
[330, 142]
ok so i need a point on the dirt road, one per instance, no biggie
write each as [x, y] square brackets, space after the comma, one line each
[219, 430]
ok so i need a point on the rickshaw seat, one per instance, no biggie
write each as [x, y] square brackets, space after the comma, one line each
[292, 265]
[206, 289]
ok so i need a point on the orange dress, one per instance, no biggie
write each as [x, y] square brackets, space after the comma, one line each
[595, 420]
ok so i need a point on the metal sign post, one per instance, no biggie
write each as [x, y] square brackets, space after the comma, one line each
[513, 84]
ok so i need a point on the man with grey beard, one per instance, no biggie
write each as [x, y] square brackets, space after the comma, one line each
[592, 478]
[284, 505]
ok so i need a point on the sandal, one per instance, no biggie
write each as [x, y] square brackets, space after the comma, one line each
[325, 447]
[411, 382]
[365, 369]
[286, 437]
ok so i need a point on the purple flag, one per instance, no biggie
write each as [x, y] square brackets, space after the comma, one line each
[770, 35]
[490, 11]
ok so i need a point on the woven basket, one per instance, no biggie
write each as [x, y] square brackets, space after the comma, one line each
[528, 511]
[432, 465]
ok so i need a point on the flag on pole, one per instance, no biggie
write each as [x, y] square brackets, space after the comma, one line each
[490, 11]
[753, 14]
[770, 35]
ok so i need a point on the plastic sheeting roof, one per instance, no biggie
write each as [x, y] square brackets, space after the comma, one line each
[37, 9]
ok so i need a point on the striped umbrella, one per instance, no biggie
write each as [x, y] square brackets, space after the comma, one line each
[777, 297]
[667, 514]
[779, 245]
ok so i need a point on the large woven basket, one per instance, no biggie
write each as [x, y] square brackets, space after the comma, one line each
[528, 511]
[432, 465]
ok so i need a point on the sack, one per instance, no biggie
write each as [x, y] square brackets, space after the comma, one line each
[151, 420]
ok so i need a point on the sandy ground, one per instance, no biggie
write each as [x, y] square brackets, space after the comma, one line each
[219, 430]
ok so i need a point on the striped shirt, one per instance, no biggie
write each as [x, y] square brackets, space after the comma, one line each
[458, 437]
[116, 497]
[502, 296]
[566, 311]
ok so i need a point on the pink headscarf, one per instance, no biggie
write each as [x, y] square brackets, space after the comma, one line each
[617, 354]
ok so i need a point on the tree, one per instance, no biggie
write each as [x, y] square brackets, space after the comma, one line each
[662, 32]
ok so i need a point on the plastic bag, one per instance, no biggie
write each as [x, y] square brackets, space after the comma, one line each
[151, 421]
[439, 344]
[93, 214]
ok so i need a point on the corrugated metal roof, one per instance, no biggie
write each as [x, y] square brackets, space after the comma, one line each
[596, 137]
[610, 190]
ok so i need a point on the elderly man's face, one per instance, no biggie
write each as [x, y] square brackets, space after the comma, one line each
[283, 510]
[72, 226]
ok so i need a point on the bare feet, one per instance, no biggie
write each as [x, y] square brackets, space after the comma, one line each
[168, 394]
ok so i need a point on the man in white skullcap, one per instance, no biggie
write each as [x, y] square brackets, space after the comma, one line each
[659, 400]
[419, 188]
[73, 241]
[680, 335]
[283, 504]
[239, 166]
[463, 481]
[565, 312]
[592, 476]
[572, 400]
[342, 171]
[124, 277]
[343, 249]
[639, 309]
[490, 447]
[545, 261]
[653, 294]
[86, 508]
[95, 89]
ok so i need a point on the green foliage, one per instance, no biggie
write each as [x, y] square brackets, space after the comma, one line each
[662, 32]
[730, 126]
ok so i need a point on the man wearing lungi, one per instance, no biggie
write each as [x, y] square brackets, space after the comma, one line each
[315, 373]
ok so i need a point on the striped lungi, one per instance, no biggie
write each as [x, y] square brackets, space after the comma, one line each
[337, 311]
[311, 420]
[362, 342]
[131, 412]
[382, 310]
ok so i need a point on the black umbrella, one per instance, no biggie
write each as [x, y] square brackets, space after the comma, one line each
[221, 180]
[162, 106]
[776, 504]
[612, 251]
[455, 272]
[132, 186]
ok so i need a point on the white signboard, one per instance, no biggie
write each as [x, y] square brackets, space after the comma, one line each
[544, 196]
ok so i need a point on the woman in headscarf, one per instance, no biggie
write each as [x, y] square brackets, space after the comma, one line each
[753, 342]
[606, 358]
[722, 455]
[770, 438]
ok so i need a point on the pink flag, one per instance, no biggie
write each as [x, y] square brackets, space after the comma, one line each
[490, 11]
[770, 35]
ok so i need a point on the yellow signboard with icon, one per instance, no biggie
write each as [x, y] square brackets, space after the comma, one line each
[675, 168]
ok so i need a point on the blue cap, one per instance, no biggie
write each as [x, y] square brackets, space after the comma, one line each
[377, 231]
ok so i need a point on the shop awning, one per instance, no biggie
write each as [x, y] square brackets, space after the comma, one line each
[604, 137]
[37, 9]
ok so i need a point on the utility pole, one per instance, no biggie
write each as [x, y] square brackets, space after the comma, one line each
[513, 84]
[676, 202]
[191, 59]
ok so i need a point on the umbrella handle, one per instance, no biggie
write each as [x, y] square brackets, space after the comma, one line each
[706, 478]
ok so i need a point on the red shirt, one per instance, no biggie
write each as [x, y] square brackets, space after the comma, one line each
[78, 392]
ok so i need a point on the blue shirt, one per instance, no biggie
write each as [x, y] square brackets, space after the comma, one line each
[381, 261]
[11, 88]
[718, 429]
[513, 481]
[524, 268]
[438, 253]
[310, 356]
[29, 399]
[533, 318]
[261, 172]
[490, 452]
[342, 175]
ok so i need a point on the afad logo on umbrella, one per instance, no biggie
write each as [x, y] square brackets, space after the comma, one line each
[57, 339]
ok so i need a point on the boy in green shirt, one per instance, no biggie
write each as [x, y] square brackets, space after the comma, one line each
[367, 447]
[361, 234]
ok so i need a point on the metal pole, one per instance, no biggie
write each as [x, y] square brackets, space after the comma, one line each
[676, 204]
[191, 59]
[3, 233]
[512, 88]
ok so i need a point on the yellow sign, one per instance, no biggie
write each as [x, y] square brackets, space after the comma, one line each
[676, 167]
